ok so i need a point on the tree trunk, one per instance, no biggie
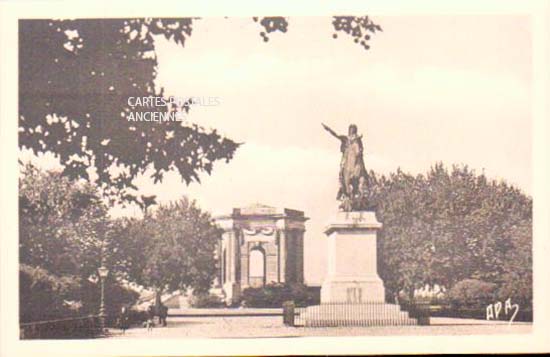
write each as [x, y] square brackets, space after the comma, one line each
[158, 295]
[411, 294]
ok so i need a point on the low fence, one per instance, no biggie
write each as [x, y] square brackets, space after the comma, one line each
[69, 328]
[348, 314]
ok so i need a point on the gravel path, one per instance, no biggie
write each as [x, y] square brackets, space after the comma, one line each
[272, 326]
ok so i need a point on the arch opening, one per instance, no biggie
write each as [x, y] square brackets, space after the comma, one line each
[256, 268]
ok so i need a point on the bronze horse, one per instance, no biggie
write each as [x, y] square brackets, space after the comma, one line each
[352, 167]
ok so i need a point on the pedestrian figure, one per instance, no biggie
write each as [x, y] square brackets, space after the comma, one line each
[150, 317]
[124, 319]
[163, 314]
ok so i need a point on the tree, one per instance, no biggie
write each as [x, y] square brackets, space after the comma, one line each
[176, 244]
[62, 224]
[358, 27]
[472, 293]
[75, 78]
[64, 227]
[64, 235]
[448, 226]
[517, 280]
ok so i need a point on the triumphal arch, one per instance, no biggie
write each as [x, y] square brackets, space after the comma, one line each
[260, 245]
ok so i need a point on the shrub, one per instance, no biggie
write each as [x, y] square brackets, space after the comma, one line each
[517, 288]
[45, 296]
[42, 295]
[206, 301]
[472, 293]
[274, 295]
[137, 317]
[116, 296]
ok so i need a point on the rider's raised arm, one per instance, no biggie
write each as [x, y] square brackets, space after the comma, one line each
[332, 132]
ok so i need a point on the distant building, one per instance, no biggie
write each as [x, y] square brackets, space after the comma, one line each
[260, 245]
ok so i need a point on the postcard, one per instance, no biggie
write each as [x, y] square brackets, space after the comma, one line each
[184, 179]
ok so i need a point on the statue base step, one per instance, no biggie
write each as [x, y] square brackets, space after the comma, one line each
[368, 314]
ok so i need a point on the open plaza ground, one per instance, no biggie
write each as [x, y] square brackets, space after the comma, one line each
[232, 326]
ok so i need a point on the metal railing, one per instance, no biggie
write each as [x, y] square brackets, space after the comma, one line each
[354, 314]
[67, 328]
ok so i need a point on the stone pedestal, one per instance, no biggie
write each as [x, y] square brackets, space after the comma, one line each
[232, 293]
[352, 267]
[353, 293]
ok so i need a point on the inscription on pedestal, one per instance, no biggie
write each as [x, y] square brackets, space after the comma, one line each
[354, 295]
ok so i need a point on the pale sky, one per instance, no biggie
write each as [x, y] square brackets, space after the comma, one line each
[455, 89]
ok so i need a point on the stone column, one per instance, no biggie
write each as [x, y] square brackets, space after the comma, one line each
[232, 286]
[245, 250]
[219, 253]
[352, 268]
[282, 255]
[300, 256]
[236, 266]
[271, 260]
[227, 278]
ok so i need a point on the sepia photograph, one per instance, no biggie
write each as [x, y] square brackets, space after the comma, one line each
[230, 177]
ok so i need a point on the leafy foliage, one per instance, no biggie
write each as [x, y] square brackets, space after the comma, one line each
[272, 24]
[357, 27]
[75, 80]
[116, 296]
[472, 293]
[62, 224]
[176, 247]
[45, 296]
[447, 226]
[64, 233]
[42, 295]
[517, 281]
[205, 300]
[275, 294]
[64, 227]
